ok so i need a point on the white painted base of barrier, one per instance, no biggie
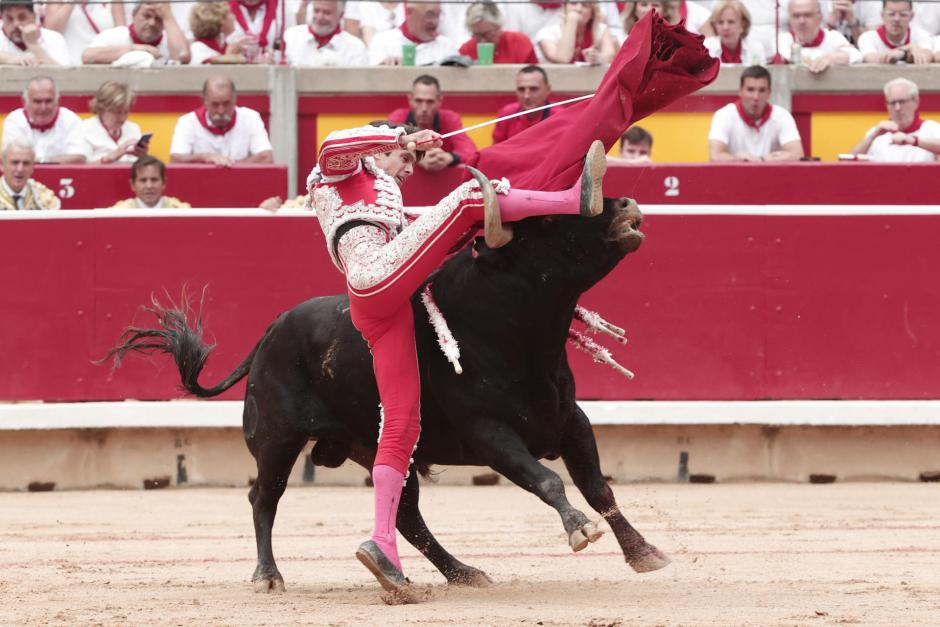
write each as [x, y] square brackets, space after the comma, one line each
[201, 414]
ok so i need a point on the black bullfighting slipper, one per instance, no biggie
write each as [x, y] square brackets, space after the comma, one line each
[398, 587]
[592, 180]
[495, 234]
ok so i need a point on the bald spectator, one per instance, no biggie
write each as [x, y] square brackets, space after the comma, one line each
[152, 35]
[18, 191]
[24, 41]
[323, 42]
[425, 112]
[485, 23]
[148, 181]
[905, 138]
[731, 22]
[421, 28]
[79, 22]
[896, 40]
[220, 132]
[752, 129]
[820, 48]
[42, 123]
[532, 91]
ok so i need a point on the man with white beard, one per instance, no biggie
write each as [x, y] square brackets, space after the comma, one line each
[323, 42]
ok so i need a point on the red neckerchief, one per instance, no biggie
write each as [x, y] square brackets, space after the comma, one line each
[915, 125]
[683, 10]
[820, 36]
[270, 12]
[322, 40]
[215, 130]
[138, 40]
[884, 38]
[20, 46]
[621, 6]
[213, 43]
[407, 33]
[547, 5]
[91, 22]
[755, 124]
[42, 128]
[587, 42]
[732, 56]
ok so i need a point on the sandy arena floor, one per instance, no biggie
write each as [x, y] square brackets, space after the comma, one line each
[758, 554]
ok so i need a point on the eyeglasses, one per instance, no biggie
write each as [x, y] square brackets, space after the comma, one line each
[898, 102]
[893, 14]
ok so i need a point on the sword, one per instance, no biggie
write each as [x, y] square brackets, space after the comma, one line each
[508, 117]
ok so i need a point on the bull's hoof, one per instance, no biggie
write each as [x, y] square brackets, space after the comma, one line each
[580, 538]
[469, 576]
[269, 584]
[649, 559]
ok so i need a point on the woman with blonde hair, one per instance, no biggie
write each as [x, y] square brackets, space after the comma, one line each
[580, 36]
[636, 11]
[108, 137]
[732, 23]
[212, 23]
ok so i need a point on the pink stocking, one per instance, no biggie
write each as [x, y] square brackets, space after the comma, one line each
[522, 203]
[388, 484]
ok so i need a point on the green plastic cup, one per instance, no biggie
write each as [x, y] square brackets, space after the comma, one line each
[485, 54]
[408, 51]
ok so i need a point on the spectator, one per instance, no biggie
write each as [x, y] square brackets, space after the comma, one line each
[697, 18]
[211, 24]
[220, 132]
[425, 112]
[24, 41]
[79, 22]
[108, 137]
[18, 191]
[636, 11]
[420, 27]
[153, 34]
[485, 23]
[42, 123]
[896, 40]
[905, 138]
[257, 24]
[636, 145]
[378, 17]
[732, 22]
[322, 42]
[529, 18]
[532, 91]
[851, 17]
[752, 129]
[820, 48]
[148, 181]
[580, 37]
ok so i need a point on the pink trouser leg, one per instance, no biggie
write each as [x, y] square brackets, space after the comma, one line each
[387, 491]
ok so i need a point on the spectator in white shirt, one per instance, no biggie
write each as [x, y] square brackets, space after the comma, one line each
[896, 40]
[258, 25]
[220, 132]
[732, 23]
[581, 36]
[42, 123]
[852, 17]
[153, 30]
[420, 27]
[752, 129]
[211, 23]
[24, 41]
[905, 138]
[108, 137]
[322, 42]
[820, 48]
[79, 22]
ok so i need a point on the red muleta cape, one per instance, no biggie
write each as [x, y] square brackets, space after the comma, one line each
[658, 64]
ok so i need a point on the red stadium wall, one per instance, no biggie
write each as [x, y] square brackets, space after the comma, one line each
[757, 306]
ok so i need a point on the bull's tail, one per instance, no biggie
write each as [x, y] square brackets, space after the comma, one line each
[183, 342]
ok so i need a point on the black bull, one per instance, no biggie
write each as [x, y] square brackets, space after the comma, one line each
[310, 378]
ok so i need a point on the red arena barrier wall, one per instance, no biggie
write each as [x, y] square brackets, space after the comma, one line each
[753, 303]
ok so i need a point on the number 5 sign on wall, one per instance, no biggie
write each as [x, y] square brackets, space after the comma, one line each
[65, 188]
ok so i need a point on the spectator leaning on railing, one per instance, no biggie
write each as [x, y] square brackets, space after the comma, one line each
[819, 48]
[220, 132]
[42, 123]
[581, 36]
[322, 42]
[211, 24]
[420, 28]
[24, 41]
[752, 129]
[152, 35]
[148, 181]
[485, 23]
[532, 91]
[18, 191]
[732, 22]
[109, 137]
[79, 22]
[896, 40]
[905, 138]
